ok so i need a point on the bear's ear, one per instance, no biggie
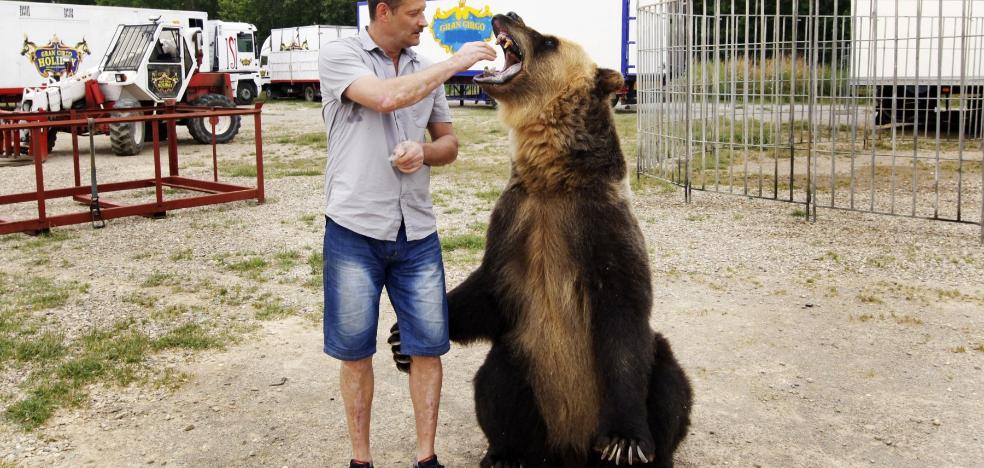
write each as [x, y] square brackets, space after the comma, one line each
[608, 81]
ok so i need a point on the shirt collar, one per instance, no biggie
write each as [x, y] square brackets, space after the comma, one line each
[370, 45]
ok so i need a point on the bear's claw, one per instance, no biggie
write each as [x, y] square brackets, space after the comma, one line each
[616, 448]
[402, 360]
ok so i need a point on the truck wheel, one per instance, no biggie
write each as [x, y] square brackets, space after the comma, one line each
[225, 130]
[127, 139]
[309, 93]
[245, 93]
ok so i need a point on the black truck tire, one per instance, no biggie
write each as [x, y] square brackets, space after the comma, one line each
[245, 93]
[127, 139]
[310, 93]
[225, 130]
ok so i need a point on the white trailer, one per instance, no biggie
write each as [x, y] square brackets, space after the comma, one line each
[45, 42]
[605, 28]
[918, 55]
[289, 59]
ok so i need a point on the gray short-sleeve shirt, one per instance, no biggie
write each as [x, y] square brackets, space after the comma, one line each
[365, 193]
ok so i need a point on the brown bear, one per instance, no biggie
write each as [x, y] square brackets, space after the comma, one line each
[575, 377]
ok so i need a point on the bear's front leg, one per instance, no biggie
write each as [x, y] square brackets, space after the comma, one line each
[624, 362]
[474, 312]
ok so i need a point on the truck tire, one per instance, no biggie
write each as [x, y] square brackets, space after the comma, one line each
[245, 93]
[310, 93]
[225, 130]
[127, 139]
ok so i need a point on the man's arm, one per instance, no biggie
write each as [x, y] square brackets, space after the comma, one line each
[396, 93]
[409, 156]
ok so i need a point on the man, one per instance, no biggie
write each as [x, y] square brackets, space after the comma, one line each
[379, 97]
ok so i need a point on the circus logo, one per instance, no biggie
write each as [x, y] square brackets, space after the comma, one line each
[164, 82]
[55, 59]
[454, 27]
[295, 44]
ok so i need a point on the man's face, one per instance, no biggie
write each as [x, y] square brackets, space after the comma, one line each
[407, 22]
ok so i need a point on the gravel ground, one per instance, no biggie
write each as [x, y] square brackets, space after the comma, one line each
[857, 340]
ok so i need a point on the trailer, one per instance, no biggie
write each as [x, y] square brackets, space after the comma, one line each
[289, 59]
[605, 28]
[47, 42]
[923, 59]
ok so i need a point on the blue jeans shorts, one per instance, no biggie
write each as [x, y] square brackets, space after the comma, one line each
[357, 267]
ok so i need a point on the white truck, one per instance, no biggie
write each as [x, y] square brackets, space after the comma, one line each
[47, 41]
[605, 28]
[924, 60]
[289, 59]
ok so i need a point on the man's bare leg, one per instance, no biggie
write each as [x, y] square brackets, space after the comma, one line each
[426, 374]
[357, 389]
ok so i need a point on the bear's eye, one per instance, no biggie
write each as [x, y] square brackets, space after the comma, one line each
[548, 42]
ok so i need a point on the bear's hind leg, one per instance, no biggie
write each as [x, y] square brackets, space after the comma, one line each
[508, 414]
[669, 402]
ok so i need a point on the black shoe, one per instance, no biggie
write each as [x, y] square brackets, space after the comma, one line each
[428, 463]
[359, 464]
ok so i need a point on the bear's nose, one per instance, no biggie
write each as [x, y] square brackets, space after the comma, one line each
[512, 15]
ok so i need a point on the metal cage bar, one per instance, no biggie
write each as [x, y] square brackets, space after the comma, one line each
[865, 105]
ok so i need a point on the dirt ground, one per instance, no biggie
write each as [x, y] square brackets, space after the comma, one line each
[857, 340]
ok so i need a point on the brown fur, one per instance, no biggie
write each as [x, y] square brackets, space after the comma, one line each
[555, 324]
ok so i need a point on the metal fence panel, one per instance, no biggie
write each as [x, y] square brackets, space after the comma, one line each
[876, 106]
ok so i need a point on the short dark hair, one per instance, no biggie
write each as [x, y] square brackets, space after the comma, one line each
[393, 4]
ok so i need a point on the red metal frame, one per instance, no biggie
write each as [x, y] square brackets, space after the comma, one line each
[11, 123]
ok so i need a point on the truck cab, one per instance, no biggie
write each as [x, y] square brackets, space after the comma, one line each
[234, 51]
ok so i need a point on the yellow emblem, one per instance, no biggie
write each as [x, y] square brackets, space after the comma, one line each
[459, 25]
[164, 81]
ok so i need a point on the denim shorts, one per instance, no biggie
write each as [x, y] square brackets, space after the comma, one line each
[357, 267]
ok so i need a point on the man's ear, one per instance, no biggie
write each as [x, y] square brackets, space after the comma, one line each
[608, 81]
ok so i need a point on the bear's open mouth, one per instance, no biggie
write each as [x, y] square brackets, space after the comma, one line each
[513, 54]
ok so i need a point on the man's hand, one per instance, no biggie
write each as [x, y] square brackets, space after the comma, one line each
[472, 53]
[408, 157]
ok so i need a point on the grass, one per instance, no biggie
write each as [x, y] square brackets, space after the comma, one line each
[113, 355]
[314, 139]
[34, 293]
[182, 255]
[469, 242]
[869, 298]
[489, 195]
[44, 242]
[147, 301]
[271, 309]
[277, 168]
[287, 260]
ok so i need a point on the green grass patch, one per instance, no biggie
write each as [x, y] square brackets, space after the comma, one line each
[309, 219]
[42, 348]
[271, 309]
[46, 241]
[189, 336]
[277, 168]
[287, 260]
[36, 293]
[490, 195]
[181, 255]
[315, 139]
[471, 242]
[645, 183]
[147, 301]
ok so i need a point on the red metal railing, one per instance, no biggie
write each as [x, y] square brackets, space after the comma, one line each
[38, 125]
